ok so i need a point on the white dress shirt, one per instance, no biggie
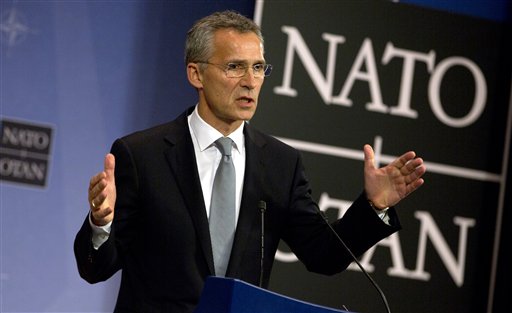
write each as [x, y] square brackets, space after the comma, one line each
[208, 157]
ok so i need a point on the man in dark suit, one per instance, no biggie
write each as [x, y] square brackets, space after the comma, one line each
[150, 206]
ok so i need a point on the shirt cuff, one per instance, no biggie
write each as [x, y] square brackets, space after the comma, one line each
[100, 234]
[383, 215]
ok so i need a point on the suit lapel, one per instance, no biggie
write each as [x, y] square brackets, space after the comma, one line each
[181, 158]
[251, 195]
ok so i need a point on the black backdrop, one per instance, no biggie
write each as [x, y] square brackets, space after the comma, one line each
[399, 77]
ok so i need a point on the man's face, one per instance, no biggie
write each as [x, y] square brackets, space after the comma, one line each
[226, 102]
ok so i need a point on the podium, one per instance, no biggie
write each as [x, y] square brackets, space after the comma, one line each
[227, 295]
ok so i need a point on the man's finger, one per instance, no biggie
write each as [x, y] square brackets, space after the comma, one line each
[404, 159]
[95, 180]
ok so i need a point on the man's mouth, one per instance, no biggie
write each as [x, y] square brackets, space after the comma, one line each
[246, 99]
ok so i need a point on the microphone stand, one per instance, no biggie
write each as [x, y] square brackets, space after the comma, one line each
[381, 293]
[262, 205]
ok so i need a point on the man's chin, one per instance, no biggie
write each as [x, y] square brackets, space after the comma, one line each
[247, 113]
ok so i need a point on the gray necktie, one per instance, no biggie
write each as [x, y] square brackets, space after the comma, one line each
[222, 208]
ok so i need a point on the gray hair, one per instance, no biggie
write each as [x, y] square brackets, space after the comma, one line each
[199, 46]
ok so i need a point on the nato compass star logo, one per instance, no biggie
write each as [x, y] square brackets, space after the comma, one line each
[13, 28]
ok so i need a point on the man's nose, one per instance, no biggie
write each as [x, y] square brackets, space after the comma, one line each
[249, 80]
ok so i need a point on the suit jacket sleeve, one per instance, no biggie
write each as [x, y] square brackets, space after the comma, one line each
[99, 265]
[315, 244]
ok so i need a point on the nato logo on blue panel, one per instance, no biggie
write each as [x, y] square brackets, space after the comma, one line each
[25, 152]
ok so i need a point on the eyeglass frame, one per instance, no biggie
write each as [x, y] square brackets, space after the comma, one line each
[266, 70]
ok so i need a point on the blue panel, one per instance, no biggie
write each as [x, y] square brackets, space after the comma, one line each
[224, 295]
[91, 71]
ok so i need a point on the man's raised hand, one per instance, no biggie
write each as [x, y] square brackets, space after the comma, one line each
[102, 193]
[387, 185]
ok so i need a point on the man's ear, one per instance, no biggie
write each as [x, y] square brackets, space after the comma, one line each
[194, 75]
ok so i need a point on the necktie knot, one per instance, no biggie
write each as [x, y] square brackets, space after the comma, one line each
[224, 144]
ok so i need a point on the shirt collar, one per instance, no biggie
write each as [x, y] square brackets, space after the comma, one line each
[206, 135]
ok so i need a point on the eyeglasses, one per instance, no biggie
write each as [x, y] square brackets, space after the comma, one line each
[237, 70]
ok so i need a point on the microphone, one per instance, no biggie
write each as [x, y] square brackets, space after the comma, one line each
[381, 293]
[262, 205]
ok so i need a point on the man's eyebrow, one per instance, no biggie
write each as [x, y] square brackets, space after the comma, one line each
[237, 61]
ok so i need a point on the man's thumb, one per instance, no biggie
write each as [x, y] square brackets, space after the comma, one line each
[369, 157]
[109, 165]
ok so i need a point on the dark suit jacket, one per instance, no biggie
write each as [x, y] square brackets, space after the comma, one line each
[160, 238]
